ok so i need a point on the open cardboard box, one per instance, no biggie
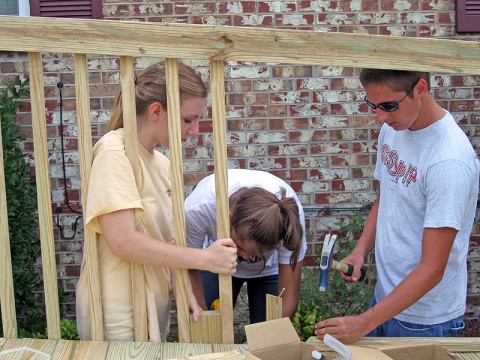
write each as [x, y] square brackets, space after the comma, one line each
[277, 339]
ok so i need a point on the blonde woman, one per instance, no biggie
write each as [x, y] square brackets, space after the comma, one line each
[118, 205]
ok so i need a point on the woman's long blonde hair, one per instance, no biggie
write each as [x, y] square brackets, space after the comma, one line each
[150, 86]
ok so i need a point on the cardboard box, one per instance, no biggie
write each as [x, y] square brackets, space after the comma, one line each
[419, 352]
[277, 339]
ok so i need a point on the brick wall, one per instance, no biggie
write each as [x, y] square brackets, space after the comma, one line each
[306, 124]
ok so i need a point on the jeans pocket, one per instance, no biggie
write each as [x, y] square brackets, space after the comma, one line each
[405, 329]
[454, 330]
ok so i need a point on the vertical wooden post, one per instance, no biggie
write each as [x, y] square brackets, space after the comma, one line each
[43, 195]
[221, 189]
[7, 299]
[274, 307]
[130, 125]
[90, 251]
[176, 171]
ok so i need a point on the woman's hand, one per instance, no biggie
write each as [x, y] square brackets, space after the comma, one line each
[193, 304]
[222, 257]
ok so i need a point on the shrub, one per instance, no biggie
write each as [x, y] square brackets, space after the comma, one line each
[341, 298]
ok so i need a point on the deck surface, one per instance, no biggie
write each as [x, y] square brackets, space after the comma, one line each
[466, 348]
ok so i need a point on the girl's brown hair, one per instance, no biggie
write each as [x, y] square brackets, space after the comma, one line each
[150, 86]
[270, 219]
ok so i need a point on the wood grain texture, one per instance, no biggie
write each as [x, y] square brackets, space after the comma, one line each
[274, 307]
[130, 126]
[451, 344]
[303, 47]
[176, 171]
[208, 329]
[90, 250]
[80, 350]
[7, 299]
[43, 195]
[219, 123]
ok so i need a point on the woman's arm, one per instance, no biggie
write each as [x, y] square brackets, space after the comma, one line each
[290, 281]
[126, 242]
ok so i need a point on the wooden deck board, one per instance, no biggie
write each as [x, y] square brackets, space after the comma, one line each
[466, 348]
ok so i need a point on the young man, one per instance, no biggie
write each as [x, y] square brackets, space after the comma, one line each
[421, 221]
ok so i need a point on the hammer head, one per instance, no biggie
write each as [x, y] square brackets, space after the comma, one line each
[326, 260]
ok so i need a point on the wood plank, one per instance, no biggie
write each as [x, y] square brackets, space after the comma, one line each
[274, 307]
[90, 250]
[124, 350]
[130, 126]
[43, 195]
[25, 347]
[461, 344]
[80, 350]
[304, 47]
[178, 197]
[7, 298]
[219, 123]
[176, 350]
[227, 355]
[208, 330]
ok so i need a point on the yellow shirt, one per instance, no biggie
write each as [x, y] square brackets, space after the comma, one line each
[113, 187]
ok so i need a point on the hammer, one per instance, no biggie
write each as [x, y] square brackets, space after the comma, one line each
[327, 263]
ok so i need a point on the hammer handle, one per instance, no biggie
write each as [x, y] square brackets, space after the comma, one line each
[347, 269]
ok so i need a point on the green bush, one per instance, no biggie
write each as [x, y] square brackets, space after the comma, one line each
[341, 298]
[22, 205]
[21, 196]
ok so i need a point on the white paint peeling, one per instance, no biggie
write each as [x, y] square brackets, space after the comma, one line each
[235, 7]
[313, 187]
[402, 5]
[379, 18]
[212, 20]
[275, 85]
[397, 30]
[289, 98]
[332, 71]
[253, 20]
[294, 19]
[420, 18]
[355, 5]
[321, 6]
[102, 64]
[279, 6]
[306, 135]
[235, 113]
[315, 83]
[151, 9]
[251, 72]
[339, 19]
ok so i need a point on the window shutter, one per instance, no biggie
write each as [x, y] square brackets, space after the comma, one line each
[468, 15]
[84, 9]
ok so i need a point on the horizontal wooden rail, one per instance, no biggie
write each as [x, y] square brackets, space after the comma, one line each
[304, 47]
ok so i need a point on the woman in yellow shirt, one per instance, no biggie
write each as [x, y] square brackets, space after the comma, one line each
[118, 205]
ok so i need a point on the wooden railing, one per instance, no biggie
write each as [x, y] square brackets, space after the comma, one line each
[173, 42]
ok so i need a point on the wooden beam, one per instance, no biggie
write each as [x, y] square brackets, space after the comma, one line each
[302, 47]
[208, 330]
[178, 197]
[7, 299]
[131, 140]
[82, 98]
[43, 195]
[274, 307]
[219, 123]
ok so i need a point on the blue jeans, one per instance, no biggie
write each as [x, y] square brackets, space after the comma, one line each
[257, 289]
[397, 328]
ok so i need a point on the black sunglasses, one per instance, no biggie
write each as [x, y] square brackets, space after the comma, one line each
[389, 106]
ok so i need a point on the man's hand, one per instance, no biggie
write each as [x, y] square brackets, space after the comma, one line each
[346, 329]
